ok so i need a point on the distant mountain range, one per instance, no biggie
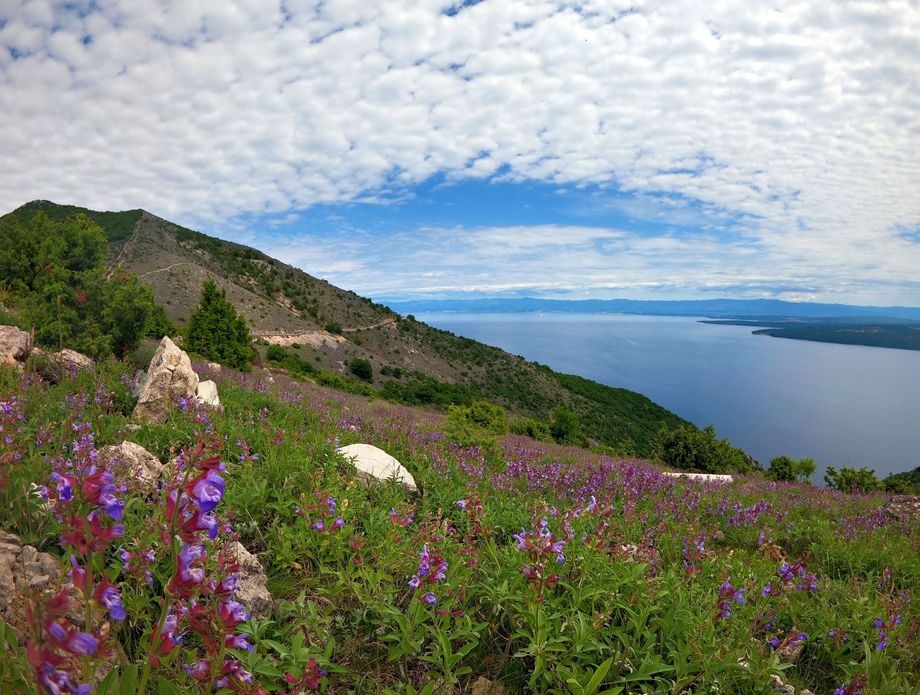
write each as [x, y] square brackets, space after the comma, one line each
[709, 308]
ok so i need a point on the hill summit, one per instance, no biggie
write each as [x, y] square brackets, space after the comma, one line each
[329, 328]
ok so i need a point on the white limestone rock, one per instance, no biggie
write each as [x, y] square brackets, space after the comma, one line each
[207, 393]
[376, 464]
[169, 376]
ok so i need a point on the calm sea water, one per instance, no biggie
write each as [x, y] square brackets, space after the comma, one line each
[842, 405]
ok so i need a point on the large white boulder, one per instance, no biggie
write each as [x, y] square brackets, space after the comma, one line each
[705, 477]
[376, 464]
[170, 376]
[207, 393]
[15, 344]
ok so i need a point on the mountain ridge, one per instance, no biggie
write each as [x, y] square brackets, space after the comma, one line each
[328, 327]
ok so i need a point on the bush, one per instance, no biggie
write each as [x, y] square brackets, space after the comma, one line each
[786, 469]
[851, 480]
[479, 423]
[361, 368]
[530, 427]
[693, 449]
[217, 332]
[334, 327]
[564, 426]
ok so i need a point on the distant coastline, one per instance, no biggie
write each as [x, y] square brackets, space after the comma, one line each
[895, 327]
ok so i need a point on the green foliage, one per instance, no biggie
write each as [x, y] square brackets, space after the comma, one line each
[851, 480]
[565, 427]
[604, 621]
[421, 389]
[786, 469]
[692, 449]
[533, 428]
[217, 332]
[343, 383]
[903, 483]
[361, 368]
[117, 226]
[56, 272]
[158, 324]
[480, 422]
[277, 355]
[334, 327]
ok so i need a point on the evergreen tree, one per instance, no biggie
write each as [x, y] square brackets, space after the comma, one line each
[56, 273]
[216, 331]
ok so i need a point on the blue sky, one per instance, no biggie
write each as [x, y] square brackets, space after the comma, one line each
[427, 148]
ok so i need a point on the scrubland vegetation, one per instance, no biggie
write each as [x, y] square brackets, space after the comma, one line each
[544, 568]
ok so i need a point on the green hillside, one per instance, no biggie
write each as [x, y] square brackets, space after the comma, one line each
[327, 328]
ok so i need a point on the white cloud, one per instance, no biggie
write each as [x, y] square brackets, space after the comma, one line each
[798, 117]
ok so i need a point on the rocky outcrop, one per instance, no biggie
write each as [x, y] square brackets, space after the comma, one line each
[207, 393]
[903, 509]
[170, 376]
[132, 464]
[15, 344]
[23, 571]
[376, 464]
[251, 589]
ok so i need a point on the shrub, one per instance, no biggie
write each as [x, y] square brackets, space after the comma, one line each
[851, 480]
[480, 423]
[361, 368]
[690, 448]
[334, 327]
[533, 428]
[565, 427]
[786, 469]
[217, 332]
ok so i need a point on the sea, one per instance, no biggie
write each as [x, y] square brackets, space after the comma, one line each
[842, 405]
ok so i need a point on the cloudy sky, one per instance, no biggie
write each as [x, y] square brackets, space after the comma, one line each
[433, 148]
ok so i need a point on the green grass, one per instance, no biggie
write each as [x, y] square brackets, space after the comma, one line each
[628, 611]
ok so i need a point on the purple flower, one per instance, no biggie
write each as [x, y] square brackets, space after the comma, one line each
[208, 490]
[238, 642]
[82, 644]
[461, 504]
[415, 582]
[429, 598]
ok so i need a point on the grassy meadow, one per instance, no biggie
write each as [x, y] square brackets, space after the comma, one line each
[542, 568]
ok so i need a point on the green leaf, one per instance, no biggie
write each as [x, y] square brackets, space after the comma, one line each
[166, 687]
[127, 684]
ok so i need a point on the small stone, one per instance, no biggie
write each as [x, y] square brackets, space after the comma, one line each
[252, 590]
[483, 686]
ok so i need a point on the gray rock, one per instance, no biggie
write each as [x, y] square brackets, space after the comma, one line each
[903, 508]
[252, 590]
[376, 464]
[14, 343]
[133, 464]
[170, 376]
[23, 571]
[63, 363]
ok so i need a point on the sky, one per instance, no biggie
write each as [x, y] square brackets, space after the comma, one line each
[429, 148]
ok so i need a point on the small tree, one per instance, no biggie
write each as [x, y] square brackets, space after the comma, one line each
[565, 427]
[361, 368]
[690, 448]
[784, 468]
[216, 331]
[851, 480]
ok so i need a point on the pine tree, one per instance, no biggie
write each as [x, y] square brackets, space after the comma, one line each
[216, 331]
